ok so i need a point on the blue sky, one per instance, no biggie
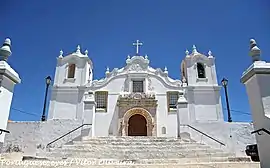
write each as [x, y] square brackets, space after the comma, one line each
[107, 29]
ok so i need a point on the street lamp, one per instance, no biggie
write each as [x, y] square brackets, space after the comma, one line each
[48, 82]
[224, 83]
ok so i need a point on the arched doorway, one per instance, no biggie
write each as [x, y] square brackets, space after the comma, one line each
[125, 121]
[137, 125]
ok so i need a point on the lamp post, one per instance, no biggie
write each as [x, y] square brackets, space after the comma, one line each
[224, 83]
[48, 82]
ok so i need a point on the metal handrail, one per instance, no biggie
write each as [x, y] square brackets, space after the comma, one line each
[66, 134]
[259, 130]
[2, 130]
[203, 134]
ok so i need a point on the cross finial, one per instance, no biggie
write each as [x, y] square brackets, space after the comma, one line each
[137, 44]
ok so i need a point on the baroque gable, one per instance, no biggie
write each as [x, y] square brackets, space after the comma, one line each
[137, 65]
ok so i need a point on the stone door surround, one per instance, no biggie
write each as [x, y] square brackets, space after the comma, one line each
[151, 125]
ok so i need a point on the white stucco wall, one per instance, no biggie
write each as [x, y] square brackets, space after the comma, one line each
[66, 103]
[204, 109]
[6, 94]
[236, 135]
[257, 81]
[32, 137]
[8, 79]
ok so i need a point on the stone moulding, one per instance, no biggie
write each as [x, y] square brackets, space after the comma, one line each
[135, 65]
[136, 100]
[151, 124]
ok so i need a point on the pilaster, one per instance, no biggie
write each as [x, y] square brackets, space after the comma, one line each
[8, 79]
[89, 112]
[257, 81]
[182, 113]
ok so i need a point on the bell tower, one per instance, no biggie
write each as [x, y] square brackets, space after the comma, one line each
[72, 73]
[198, 69]
[199, 72]
[75, 69]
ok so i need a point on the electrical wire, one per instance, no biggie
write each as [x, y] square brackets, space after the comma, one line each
[22, 111]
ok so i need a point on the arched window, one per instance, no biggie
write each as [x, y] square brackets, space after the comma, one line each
[163, 130]
[71, 70]
[201, 70]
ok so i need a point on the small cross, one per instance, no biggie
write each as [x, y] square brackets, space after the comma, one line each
[137, 44]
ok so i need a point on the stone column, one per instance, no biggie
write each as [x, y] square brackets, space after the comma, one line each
[8, 79]
[89, 114]
[124, 128]
[257, 81]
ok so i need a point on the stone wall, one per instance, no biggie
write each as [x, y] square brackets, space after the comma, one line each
[236, 135]
[31, 137]
[1, 145]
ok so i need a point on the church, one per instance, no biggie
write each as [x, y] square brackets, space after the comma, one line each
[136, 102]
[137, 99]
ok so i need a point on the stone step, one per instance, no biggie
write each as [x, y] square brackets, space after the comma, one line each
[154, 161]
[132, 140]
[134, 155]
[128, 137]
[133, 147]
[139, 150]
[145, 140]
[132, 143]
[184, 145]
[150, 161]
[50, 164]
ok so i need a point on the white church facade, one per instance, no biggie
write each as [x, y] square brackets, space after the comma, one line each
[134, 100]
[137, 99]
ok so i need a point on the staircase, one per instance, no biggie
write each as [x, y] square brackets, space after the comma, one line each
[145, 152]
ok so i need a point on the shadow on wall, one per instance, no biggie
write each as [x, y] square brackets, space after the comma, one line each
[31, 137]
[235, 136]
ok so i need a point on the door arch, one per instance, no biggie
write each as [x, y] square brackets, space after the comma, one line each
[137, 125]
[150, 125]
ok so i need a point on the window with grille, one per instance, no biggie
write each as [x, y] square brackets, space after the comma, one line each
[137, 86]
[101, 100]
[172, 100]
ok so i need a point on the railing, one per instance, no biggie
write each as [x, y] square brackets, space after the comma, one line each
[259, 130]
[208, 136]
[2, 130]
[66, 134]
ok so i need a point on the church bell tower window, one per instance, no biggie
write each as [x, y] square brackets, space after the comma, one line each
[71, 70]
[137, 86]
[101, 98]
[201, 70]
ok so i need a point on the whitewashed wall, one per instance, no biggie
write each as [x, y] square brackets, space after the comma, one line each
[257, 81]
[32, 137]
[8, 79]
[236, 135]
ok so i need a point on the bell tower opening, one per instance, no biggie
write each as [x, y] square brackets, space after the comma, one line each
[137, 125]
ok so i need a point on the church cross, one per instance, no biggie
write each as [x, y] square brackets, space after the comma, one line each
[137, 44]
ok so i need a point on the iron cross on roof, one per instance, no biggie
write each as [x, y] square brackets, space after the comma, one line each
[137, 44]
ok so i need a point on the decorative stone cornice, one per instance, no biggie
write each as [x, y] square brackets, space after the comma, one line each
[204, 88]
[137, 96]
[258, 67]
[7, 71]
[136, 65]
[137, 100]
